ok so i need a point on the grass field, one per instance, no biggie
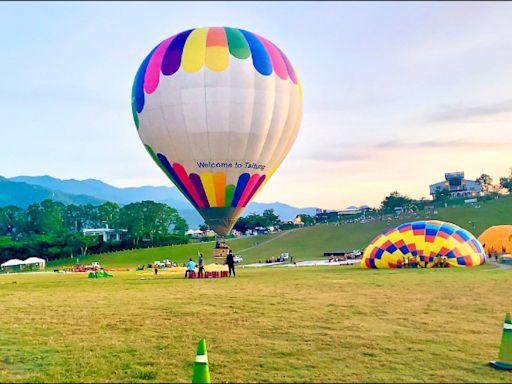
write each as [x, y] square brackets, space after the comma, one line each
[309, 242]
[307, 324]
[177, 253]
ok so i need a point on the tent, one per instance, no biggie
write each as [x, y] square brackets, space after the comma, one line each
[497, 239]
[35, 263]
[13, 265]
[425, 244]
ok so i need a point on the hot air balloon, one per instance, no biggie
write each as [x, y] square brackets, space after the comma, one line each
[217, 109]
[426, 242]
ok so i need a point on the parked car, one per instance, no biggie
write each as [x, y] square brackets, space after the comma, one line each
[238, 258]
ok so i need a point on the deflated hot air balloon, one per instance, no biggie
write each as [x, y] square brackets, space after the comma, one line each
[425, 243]
[217, 109]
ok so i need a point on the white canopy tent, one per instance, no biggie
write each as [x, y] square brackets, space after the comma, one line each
[13, 263]
[35, 260]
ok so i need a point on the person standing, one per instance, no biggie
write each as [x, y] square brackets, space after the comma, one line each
[230, 261]
[200, 265]
[190, 267]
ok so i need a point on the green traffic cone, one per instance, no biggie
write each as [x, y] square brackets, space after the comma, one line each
[505, 357]
[201, 372]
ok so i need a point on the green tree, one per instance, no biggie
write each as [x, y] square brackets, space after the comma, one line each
[204, 227]
[441, 194]
[395, 200]
[485, 181]
[506, 182]
[108, 213]
[307, 219]
[148, 219]
[271, 219]
[46, 217]
[242, 225]
[13, 220]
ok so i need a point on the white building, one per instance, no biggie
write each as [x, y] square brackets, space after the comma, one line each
[457, 186]
[107, 234]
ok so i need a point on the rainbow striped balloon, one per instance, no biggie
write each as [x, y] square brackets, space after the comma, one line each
[424, 243]
[218, 109]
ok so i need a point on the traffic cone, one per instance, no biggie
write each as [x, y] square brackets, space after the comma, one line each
[201, 372]
[505, 357]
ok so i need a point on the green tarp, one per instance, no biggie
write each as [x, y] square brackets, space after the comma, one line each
[95, 275]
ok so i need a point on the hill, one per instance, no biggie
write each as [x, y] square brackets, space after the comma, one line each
[23, 194]
[312, 242]
[101, 191]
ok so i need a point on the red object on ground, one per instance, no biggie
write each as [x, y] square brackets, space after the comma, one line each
[191, 275]
[223, 273]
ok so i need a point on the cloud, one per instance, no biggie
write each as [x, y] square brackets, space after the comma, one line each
[453, 113]
[352, 152]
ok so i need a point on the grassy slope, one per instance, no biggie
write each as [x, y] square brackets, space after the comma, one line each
[317, 324]
[313, 241]
[178, 253]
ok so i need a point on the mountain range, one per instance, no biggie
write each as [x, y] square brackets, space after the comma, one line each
[25, 190]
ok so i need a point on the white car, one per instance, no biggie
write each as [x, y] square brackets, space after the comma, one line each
[238, 259]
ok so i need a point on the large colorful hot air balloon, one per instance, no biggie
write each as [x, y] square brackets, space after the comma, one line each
[426, 242]
[217, 109]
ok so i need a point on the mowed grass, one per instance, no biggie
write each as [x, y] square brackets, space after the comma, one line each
[310, 242]
[176, 253]
[304, 324]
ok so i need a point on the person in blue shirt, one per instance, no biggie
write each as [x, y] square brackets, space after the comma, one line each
[190, 267]
[200, 265]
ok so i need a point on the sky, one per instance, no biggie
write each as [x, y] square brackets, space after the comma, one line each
[395, 93]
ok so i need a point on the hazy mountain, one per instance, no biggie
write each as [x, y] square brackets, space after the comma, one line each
[23, 194]
[38, 188]
[284, 211]
[104, 191]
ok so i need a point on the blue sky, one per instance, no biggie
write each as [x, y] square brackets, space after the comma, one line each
[395, 93]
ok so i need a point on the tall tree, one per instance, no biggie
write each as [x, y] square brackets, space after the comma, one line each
[395, 200]
[485, 181]
[108, 213]
[150, 219]
[506, 182]
[46, 217]
[270, 217]
[12, 220]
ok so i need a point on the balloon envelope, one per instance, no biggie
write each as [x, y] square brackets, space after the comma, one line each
[426, 242]
[217, 109]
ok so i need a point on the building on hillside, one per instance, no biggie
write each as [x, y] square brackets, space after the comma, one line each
[456, 186]
[352, 210]
[107, 234]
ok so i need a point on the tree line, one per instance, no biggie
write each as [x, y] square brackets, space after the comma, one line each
[53, 230]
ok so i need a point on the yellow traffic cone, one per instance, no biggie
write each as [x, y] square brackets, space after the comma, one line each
[201, 372]
[505, 356]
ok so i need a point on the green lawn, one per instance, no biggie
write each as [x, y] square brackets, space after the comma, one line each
[305, 324]
[310, 242]
[177, 253]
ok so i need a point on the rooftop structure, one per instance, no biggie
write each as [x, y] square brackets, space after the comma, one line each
[456, 186]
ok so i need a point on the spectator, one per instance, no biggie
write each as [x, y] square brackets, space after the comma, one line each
[200, 265]
[230, 261]
[190, 267]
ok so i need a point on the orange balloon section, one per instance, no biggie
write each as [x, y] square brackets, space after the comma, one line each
[497, 239]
